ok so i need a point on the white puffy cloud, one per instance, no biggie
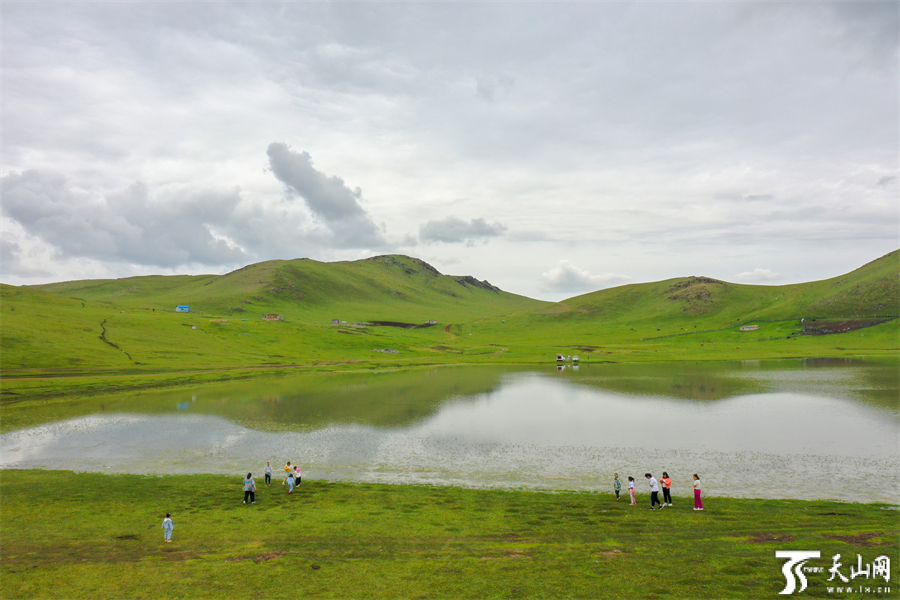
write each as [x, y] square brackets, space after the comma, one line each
[568, 278]
[757, 275]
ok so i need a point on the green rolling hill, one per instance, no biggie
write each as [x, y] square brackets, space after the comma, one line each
[868, 291]
[673, 318]
[129, 325]
[383, 288]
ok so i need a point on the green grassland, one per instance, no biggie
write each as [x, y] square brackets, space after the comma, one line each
[95, 346]
[84, 337]
[84, 535]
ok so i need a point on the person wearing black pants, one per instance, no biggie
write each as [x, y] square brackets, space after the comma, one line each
[667, 489]
[654, 490]
[249, 489]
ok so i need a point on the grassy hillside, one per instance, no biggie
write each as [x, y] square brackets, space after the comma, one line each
[699, 317]
[381, 288]
[867, 291]
[131, 324]
[128, 326]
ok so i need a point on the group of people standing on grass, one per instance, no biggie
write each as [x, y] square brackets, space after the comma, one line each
[292, 477]
[654, 490]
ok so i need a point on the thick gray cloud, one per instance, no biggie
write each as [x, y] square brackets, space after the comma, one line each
[452, 230]
[654, 139]
[328, 198]
[121, 226]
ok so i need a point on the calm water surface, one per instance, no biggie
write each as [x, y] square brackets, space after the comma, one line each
[776, 429]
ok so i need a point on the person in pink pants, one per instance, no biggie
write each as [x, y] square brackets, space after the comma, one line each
[631, 490]
[698, 503]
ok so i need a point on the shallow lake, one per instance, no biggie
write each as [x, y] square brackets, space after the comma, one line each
[776, 429]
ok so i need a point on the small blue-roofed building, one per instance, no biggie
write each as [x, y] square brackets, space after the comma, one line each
[182, 308]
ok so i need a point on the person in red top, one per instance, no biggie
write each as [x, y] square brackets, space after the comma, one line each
[667, 492]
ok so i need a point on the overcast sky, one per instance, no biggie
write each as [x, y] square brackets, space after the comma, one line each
[551, 148]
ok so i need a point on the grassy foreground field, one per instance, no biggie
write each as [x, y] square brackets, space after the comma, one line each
[84, 535]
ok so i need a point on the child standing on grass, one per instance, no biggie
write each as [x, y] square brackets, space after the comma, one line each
[631, 489]
[617, 485]
[667, 489]
[268, 473]
[168, 525]
[698, 503]
[287, 469]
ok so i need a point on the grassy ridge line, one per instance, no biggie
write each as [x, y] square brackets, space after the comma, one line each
[127, 326]
[85, 535]
[399, 288]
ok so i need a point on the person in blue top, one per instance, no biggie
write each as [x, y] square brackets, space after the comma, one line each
[168, 525]
[617, 485]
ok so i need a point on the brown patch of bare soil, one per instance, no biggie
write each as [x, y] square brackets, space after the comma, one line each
[820, 327]
[258, 559]
[510, 555]
[859, 539]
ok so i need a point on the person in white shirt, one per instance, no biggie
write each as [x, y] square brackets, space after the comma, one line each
[654, 491]
[631, 489]
[268, 472]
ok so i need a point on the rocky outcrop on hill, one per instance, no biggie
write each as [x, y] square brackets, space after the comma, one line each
[469, 281]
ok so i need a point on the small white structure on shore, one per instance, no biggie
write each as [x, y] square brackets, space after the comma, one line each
[749, 327]
[182, 308]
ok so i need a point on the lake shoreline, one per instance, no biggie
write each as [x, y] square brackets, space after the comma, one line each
[642, 496]
[22, 385]
[751, 429]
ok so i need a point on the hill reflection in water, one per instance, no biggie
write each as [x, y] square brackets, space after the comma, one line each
[780, 429]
